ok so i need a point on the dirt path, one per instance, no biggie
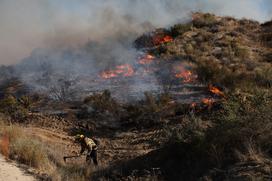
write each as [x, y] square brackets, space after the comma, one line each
[11, 172]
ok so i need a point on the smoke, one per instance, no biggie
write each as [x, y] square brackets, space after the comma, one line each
[57, 44]
[30, 24]
[268, 4]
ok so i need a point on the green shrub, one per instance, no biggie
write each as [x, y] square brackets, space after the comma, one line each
[179, 29]
[263, 76]
[190, 131]
[205, 20]
[239, 50]
[100, 102]
[245, 117]
[75, 172]
[12, 107]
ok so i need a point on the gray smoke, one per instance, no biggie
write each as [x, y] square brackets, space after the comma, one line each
[30, 24]
[61, 43]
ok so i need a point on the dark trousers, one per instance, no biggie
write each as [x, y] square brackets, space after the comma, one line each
[92, 155]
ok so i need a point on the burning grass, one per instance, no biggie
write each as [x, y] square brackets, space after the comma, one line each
[147, 59]
[125, 70]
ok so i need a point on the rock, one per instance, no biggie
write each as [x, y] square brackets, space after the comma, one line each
[190, 34]
[219, 36]
[225, 60]
[217, 51]
[199, 38]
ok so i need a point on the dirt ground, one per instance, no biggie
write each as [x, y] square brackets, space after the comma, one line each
[9, 171]
[121, 146]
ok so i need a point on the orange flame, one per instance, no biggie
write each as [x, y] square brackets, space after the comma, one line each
[165, 39]
[216, 91]
[186, 75]
[120, 70]
[208, 101]
[147, 59]
[193, 105]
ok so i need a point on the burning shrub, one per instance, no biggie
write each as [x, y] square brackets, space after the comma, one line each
[157, 37]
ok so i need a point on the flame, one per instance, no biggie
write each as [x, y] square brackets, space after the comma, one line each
[186, 75]
[193, 105]
[167, 38]
[160, 40]
[147, 59]
[208, 101]
[216, 91]
[120, 70]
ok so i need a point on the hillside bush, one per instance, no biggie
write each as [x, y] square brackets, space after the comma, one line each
[179, 29]
[205, 20]
[245, 118]
[10, 106]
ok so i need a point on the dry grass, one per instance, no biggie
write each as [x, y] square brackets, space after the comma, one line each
[15, 145]
[74, 172]
[45, 157]
[4, 146]
[30, 152]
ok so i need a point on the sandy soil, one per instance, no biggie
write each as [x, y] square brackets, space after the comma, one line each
[10, 172]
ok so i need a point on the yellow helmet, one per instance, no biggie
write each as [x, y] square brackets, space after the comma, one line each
[79, 137]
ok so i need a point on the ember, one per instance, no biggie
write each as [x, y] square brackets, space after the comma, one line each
[186, 75]
[193, 105]
[208, 101]
[167, 39]
[147, 59]
[120, 70]
[160, 40]
[216, 91]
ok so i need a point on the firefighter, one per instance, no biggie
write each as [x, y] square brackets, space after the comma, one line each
[89, 145]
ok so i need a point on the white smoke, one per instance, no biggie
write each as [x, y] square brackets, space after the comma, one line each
[30, 24]
[63, 45]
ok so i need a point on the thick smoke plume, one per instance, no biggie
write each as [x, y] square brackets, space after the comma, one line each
[30, 24]
[61, 43]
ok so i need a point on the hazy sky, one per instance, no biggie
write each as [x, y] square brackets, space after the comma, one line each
[29, 24]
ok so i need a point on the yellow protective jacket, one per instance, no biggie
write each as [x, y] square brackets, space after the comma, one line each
[87, 144]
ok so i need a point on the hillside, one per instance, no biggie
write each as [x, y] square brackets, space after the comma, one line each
[199, 108]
